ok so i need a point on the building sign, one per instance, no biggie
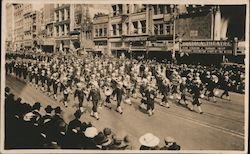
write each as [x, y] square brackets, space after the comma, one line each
[210, 47]
[137, 39]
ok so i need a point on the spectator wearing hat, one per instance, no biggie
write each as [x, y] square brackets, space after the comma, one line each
[36, 111]
[149, 141]
[170, 144]
[46, 125]
[7, 92]
[102, 141]
[88, 141]
[72, 137]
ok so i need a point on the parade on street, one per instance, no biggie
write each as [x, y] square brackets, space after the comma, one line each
[125, 77]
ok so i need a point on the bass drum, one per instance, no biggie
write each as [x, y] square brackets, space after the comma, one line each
[108, 91]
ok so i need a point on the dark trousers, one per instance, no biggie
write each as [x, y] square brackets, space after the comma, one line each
[55, 87]
[80, 100]
[94, 108]
[119, 100]
[65, 97]
[225, 93]
[150, 105]
[108, 99]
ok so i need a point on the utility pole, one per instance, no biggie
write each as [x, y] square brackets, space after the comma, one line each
[82, 22]
[173, 7]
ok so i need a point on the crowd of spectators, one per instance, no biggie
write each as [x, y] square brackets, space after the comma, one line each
[27, 128]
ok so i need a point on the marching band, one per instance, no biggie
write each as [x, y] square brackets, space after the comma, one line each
[104, 79]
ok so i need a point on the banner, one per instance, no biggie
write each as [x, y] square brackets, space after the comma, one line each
[207, 47]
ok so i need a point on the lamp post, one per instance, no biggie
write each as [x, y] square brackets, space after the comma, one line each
[174, 15]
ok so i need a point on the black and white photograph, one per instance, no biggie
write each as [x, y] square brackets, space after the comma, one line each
[124, 76]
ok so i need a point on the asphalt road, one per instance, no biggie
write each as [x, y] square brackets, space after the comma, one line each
[220, 127]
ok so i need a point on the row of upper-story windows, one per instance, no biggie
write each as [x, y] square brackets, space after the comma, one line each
[100, 31]
[128, 8]
[135, 27]
[61, 15]
[163, 29]
[62, 30]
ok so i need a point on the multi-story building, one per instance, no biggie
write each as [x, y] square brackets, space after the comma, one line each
[48, 22]
[130, 28]
[64, 23]
[82, 28]
[100, 32]
[9, 27]
[19, 11]
[162, 30]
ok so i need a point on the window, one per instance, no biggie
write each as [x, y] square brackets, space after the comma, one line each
[127, 8]
[161, 28]
[136, 8]
[57, 16]
[156, 29]
[168, 9]
[135, 25]
[114, 10]
[57, 31]
[127, 28]
[120, 29]
[161, 9]
[96, 32]
[62, 28]
[168, 29]
[62, 14]
[155, 9]
[68, 14]
[100, 32]
[114, 29]
[104, 31]
[68, 28]
[119, 9]
[143, 26]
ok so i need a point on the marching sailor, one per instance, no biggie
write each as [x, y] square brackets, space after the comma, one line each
[150, 96]
[80, 94]
[95, 96]
[119, 92]
[196, 92]
[108, 92]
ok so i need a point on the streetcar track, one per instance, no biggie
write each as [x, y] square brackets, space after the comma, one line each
[187, 118]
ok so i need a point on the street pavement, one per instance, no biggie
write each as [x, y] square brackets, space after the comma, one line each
[220, 127]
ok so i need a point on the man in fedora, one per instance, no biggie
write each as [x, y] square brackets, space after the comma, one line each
[170, 144]
[149, 141]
